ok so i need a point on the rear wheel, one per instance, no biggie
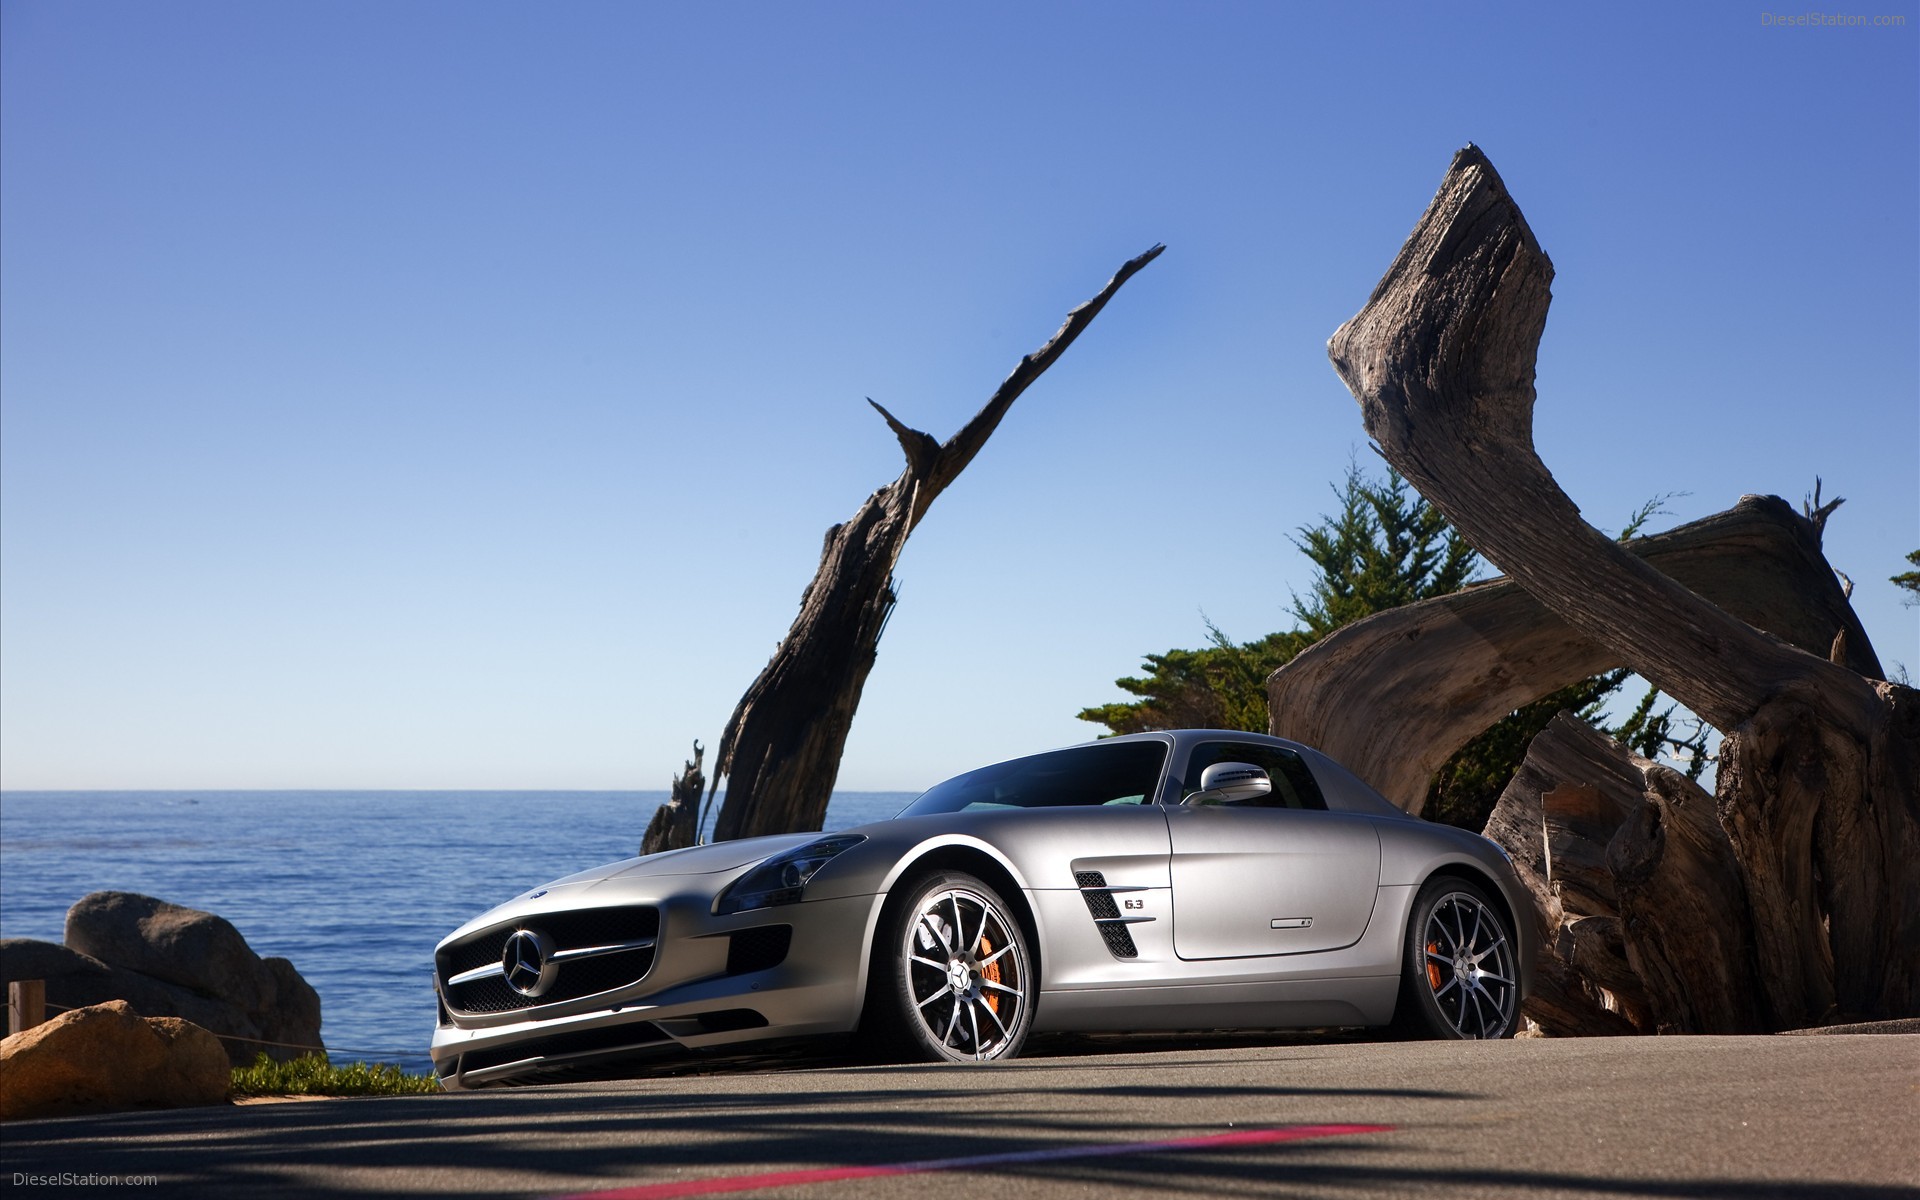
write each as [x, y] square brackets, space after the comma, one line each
[1461, 977]
[952, 975]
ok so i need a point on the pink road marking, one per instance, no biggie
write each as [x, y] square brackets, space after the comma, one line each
[754, 1183]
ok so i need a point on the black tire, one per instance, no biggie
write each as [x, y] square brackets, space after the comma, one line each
[1460, 976]
[949, 929]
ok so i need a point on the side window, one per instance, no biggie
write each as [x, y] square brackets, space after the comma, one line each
[1293, 784]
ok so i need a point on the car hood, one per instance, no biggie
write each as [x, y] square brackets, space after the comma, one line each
[693, 860]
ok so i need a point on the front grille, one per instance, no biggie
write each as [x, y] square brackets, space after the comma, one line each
[1106, 914]
[758, 949]
[567, 931]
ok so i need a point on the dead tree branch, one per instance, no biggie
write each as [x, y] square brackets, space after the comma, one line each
[1451, 666]
[780, 751]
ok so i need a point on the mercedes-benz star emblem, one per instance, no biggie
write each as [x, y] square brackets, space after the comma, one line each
[528, 962]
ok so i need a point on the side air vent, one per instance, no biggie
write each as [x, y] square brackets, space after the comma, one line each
[1119, 941]
[1106, 914]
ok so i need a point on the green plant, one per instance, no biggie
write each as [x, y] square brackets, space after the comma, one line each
[314, 1075]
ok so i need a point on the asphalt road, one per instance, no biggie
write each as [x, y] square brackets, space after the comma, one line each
[1832, 1117]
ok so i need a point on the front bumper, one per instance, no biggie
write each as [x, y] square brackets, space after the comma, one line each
[688, 1003]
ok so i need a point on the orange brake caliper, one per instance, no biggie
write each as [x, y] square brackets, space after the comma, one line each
[990, 973]
[1433, 968]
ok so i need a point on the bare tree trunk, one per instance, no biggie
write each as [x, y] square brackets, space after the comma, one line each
[1449, 667]
[781, 749]
[1818, 789]
[675, 823]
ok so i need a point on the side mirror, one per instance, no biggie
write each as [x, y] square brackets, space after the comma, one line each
[1231, 783]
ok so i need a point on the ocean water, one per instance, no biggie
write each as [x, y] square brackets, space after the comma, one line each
[353, 887]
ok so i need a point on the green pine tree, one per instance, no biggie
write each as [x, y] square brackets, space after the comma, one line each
[1385, 547]
[1910, 580]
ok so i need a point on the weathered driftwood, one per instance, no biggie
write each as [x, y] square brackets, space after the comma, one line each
[1564, 1000]
[1449, 667]
[780, 751]
[1819, 781]
[1638, 897]
[675, 824]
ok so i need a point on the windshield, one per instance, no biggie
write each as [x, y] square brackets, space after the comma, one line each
[1103, 773]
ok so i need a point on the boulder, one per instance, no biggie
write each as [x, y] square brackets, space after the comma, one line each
[295, 1015]
[106, 1057]
[169, 961]
[75, 980]
[197, 950]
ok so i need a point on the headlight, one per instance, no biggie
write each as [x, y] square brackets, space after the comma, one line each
[782, 878]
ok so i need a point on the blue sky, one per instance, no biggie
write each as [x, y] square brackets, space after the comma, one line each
[455, 395]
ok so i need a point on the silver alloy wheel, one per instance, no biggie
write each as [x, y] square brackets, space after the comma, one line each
[966, 973]
[1470, 966]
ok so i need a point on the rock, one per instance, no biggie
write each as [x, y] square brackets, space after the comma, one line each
[75, 980]
[184, 946]
[106, 1057]
[169, 961]
[295, 1016]
[197, 1063]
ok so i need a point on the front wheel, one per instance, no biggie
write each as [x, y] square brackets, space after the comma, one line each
[1461, 975]
[952, 976]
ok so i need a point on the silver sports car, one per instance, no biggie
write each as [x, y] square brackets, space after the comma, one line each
[1202, 879]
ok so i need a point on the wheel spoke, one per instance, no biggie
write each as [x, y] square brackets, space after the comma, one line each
[1495, 1013]
[953, 898]
[946, 989]
[939, 934]
[1473, 938]
[997, 955]
[1470, 1009]
[994, 1016]
[1000, 987]
[1442, 990]
[973, 1019]
[928, 962]
[980, 935]
[953, 1023]
[1497, 943]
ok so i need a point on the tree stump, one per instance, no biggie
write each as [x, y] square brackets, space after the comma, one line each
[675, 824]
